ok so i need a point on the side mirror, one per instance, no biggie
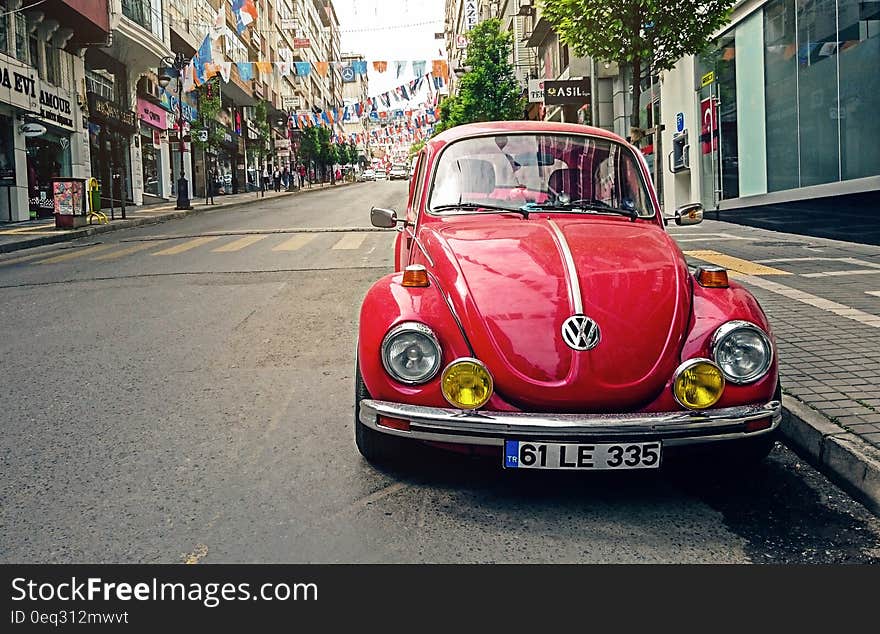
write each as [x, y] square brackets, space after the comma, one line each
[690, 214]
[383, 218]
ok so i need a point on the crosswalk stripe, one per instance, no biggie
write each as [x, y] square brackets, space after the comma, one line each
[238, 245]
[294, 243]
[123, 252]
[76, 253]
[351, 241]
[186, 246]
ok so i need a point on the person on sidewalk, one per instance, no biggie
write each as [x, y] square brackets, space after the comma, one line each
[276, 179]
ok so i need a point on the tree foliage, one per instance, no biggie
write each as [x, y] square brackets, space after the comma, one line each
[488, 91]
[261, 121]
[642, 34]
[209, 107]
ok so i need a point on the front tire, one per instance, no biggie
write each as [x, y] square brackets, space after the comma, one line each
[377, 448]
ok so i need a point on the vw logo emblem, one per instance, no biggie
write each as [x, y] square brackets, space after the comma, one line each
[579, 332]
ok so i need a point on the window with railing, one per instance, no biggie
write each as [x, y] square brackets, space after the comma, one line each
[4, 27]
[100, 83]
[146, 13]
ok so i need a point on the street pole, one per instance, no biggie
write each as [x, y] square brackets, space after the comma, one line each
[179, 62]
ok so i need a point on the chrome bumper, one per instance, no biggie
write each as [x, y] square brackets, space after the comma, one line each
[492, 428]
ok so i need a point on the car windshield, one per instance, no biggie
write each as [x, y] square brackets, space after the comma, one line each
[539, 172]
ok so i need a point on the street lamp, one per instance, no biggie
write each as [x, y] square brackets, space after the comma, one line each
[179, 62]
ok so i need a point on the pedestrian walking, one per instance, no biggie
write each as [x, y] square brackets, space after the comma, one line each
[276, 179]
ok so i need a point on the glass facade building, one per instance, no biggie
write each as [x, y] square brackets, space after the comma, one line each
[788, 98]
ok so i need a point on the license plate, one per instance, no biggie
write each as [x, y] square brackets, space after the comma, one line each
[546, 455]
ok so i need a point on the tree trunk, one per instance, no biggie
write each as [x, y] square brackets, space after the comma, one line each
[636, 96]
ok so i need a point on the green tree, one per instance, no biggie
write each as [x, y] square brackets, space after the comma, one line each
[488, 91]
[646, 35]
[416, 147]
[204, 131]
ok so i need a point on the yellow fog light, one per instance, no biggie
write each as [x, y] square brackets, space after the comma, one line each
[698, 384]
[466, 383]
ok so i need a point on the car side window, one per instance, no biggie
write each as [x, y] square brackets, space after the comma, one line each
[416, 189]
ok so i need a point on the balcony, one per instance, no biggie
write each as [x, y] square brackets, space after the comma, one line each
[138, 40]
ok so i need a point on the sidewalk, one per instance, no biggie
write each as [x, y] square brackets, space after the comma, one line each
[24, 235]
[822, 298]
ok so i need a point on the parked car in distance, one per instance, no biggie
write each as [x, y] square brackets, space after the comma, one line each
[540, 313]
[367, 175]
[398, 172]
[381, 175]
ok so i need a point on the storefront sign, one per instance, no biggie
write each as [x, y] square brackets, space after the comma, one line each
[151, 114]
[301, 42]
[470, 14]
[56, 109]
[536, 91]
[22, 84]
[575, 91]
[32, 129]
[707, 79]
[105, 111]
[282, 144]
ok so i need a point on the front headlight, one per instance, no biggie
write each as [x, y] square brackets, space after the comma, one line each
[698, 384]
[466, 383]
[411, 353]
[742, 351]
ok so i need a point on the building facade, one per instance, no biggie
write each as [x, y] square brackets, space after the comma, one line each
[781, 108]
[42, 101]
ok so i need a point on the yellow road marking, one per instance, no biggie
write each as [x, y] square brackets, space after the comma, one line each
[123, 252]
[186, 246]
[352, 241]
[76, 253]
[296, 242]
[735, 264]
[238, 245]
[23, 258]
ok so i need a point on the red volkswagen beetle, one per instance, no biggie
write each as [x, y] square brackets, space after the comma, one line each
[541, 312]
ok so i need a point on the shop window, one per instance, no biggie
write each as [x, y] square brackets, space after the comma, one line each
[48, 157]
[859, 58]
[780, 96]
[817, 92]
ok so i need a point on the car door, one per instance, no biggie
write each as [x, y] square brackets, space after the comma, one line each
[406, 237]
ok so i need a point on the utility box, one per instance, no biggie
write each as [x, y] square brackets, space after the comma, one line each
[69, 199]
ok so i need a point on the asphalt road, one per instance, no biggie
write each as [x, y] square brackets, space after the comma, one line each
[184, 392]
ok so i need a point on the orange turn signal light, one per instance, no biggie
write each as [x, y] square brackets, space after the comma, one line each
[712, 277]
[393, 423]
[758, 425]
[415, 275]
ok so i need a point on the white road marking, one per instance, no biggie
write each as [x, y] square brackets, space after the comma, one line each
[349, 242]
[812, 300]
[874, 293]
[294, 243]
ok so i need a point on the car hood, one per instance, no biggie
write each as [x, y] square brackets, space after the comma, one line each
[510, 282]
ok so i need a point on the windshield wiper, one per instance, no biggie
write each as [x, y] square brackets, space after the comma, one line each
[477, 206]
[586, 204]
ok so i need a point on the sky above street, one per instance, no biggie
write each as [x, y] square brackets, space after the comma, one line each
[391, 30]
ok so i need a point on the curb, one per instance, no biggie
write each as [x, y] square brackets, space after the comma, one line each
[38, 241]
[845, 458]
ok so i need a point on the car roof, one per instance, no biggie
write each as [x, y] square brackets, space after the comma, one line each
[496, 127]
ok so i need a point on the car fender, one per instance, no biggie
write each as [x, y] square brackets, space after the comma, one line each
[389, 303]
[713, 307]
